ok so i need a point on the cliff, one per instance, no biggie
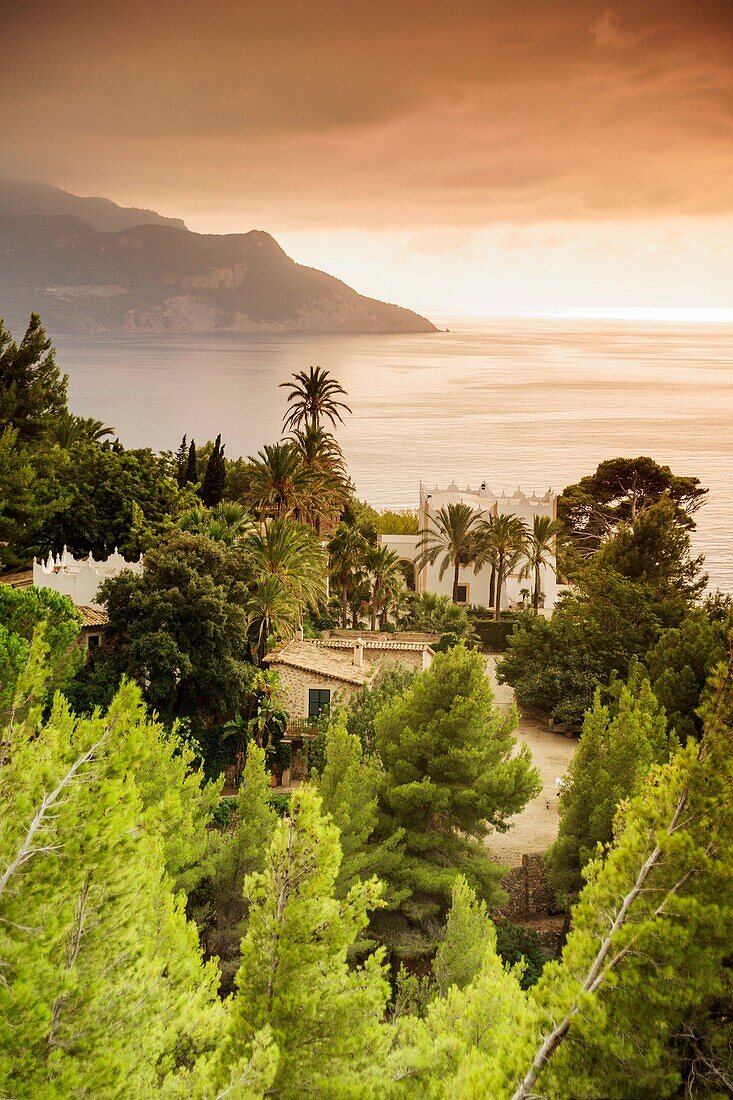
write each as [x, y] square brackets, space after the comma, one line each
[164, 278]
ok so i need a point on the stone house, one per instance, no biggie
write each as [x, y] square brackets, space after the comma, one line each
[317, 675]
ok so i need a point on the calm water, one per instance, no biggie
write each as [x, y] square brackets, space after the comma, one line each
[530, 404]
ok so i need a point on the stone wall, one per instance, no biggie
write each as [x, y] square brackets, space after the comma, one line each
[530, 894]
[296, 682]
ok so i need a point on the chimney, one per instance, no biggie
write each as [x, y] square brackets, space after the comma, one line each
[359, 652]
[299, 633]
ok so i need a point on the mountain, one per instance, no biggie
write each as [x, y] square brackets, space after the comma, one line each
[25, 197]
[158, 276]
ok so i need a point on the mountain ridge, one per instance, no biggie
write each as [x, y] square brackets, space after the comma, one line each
[159, 276]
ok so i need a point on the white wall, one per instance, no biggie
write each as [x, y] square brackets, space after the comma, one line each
[80, 579]
[482, 500]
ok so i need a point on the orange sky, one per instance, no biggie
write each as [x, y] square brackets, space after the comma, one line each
[493, 154]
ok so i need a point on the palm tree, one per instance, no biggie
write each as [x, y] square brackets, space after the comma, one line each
[452, 538]
[540, 550]
[313, 399]
[504, 538]
[347, 550]
[67, 430]
[386, 580]
[271, 609]
[321, 455]
[290, 553]
[228, 522]
[279, 483]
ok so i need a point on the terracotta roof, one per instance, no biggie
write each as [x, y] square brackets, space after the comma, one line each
[21, 578]
[343, 643]
[92, 616]
[313, 657]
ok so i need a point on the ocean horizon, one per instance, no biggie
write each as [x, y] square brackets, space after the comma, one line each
[526, 403]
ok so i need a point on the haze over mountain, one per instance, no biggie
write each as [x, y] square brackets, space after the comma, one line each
[90, 266]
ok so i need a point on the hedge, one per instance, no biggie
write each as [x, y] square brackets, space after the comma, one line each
[492, 634]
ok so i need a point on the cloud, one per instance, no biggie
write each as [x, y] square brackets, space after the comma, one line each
[606, 32]
[308, 115]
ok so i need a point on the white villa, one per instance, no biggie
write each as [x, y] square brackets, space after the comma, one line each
[474, 587]
[80, 578]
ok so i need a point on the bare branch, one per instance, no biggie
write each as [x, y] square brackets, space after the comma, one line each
[26, 850]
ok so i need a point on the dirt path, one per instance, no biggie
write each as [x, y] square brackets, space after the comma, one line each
[535, 828]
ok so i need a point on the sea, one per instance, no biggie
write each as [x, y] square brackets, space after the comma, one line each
[520, 403]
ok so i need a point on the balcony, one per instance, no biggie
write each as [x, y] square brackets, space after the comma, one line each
[300, 729]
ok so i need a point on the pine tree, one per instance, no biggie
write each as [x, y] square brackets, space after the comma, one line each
[649, 945]
[242, 853]
[103, 991]
[652, 930]
[468, 936]
[612, 760]
[32, 389]
[294, 978]
[452, 775]
[192, 471]
[181, 462]
[212, 488]
[349, 788]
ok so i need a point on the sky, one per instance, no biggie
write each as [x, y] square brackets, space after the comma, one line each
[471, 158]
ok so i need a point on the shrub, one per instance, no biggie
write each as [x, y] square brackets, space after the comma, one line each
[516, 943]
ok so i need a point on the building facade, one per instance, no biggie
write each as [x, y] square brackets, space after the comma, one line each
[80, 578]
[473, 587]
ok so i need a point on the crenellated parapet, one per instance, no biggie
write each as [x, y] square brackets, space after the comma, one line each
[80, 578]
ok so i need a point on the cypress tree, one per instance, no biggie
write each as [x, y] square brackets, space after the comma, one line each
[192, 473]
[212, 488]
[181, 462]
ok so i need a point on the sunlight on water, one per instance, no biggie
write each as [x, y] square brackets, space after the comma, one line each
[521, 403]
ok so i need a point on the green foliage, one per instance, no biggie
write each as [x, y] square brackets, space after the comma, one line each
[406, 521]
[349, 786]
[393, 680]
[242, 852]
[517, 944]
[653, 926]
[452, 775]
[645, 958]
[494, 634]
[618, 492]
[313, 399]
[212, 487]
[451, 539]
[224, 812]
[435, 614]
[21, 514]
[180, 630]
[106, 497]
[89, 921]
[640, 582]
[32, 389]
[23, 610]
[468, 937]
[681, 662]
[611, 762]
[294, 979]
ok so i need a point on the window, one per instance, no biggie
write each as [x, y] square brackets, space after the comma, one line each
[93, 641]
[319, 701]
[461, 593]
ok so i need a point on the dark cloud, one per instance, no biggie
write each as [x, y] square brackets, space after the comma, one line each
[376, 114]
